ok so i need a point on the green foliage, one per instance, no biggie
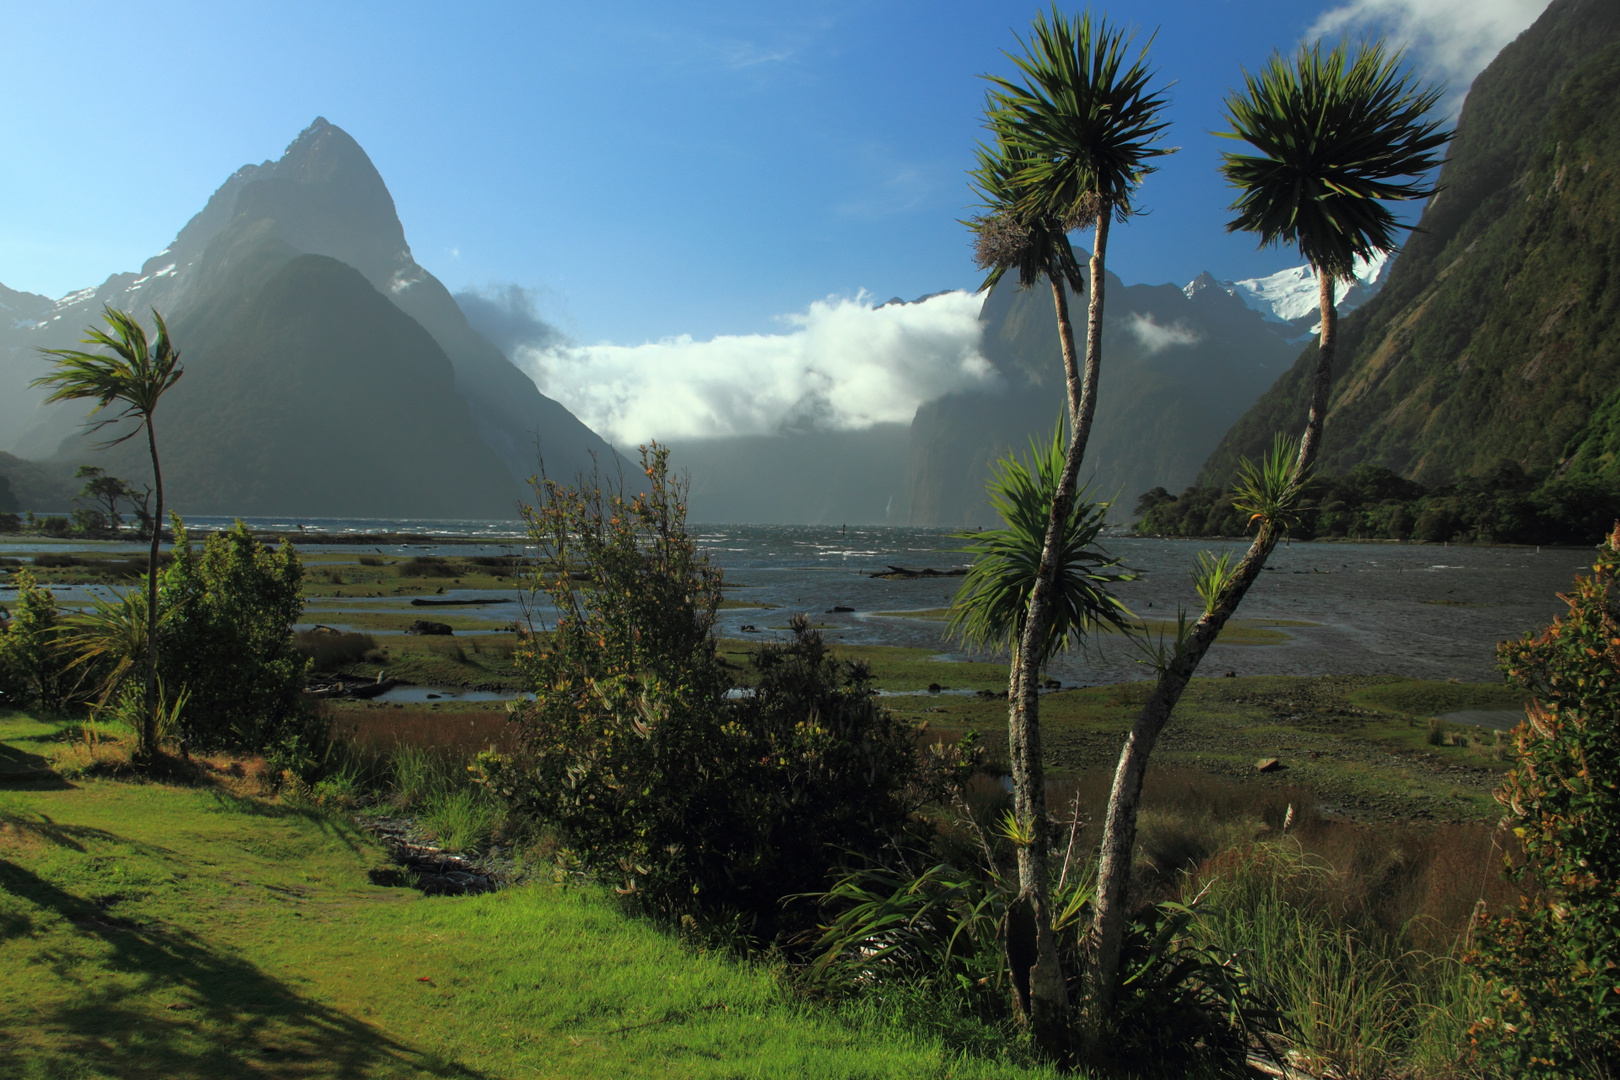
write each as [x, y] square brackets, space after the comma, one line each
[1370, 502]
[108, 645]
[1358, 999]
[1493, 336]
[1269, 493]
[1084, 120]
[33, 667]
[1182, 1006]
[1211, 576]
[1336, 137]
[1553, 966]
[136, 375]
[103, 493]
[327, 651]
[992, 605]
[696, 803]
[226, 636]
[1007, 237]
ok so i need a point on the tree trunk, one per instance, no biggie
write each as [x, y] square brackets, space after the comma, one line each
[1119, 830]
[1040, 989]
[148, 741]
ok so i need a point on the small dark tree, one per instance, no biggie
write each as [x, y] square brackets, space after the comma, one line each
[1553, 966]
[103, 493]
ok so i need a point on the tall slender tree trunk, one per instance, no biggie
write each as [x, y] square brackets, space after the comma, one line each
[1038, 979]
[1119, 830]
[149, 712]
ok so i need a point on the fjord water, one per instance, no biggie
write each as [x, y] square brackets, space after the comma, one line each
[1416, 610]
[1371, 608]
[1374, 608]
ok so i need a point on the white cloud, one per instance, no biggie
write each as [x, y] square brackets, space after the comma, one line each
[1156, 338]
[843, 365]
[1452, 40]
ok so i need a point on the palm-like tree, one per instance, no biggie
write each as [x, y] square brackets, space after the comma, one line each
[1334, 135]
[1074, 137]
[135, 374]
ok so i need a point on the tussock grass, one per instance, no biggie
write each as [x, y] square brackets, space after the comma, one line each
[1365, 1000]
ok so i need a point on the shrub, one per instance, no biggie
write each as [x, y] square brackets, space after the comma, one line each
[226, 636]
[33, 666]
[1553, 966]
[10, 523]
[695, 803]
[328, 651]
[426, 566]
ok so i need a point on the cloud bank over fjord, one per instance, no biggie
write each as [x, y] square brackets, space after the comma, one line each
[842, 364]
[1450, 40]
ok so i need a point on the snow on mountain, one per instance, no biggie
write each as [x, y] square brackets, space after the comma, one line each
[1290, 296]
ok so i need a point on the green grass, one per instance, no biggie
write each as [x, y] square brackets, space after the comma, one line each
[1359, 742]
[156, 931]
[483, 660]
[1415, 698]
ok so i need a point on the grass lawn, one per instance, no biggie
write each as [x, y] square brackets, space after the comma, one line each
[148, 930]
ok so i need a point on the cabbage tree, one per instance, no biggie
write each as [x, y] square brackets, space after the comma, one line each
[135, 374]
[1334, 136]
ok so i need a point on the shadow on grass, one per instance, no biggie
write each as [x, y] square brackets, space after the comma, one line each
[326, 823]
[20, 768]
[182, 1009]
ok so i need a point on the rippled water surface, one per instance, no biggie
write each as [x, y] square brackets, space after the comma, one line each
[1397, 609]
[1373, 608]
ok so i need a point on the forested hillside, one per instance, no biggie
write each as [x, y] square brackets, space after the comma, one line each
[1492, 350]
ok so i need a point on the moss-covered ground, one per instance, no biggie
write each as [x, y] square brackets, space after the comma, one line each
[155, 930]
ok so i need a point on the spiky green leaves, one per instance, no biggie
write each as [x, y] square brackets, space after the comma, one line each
[136, 372]
[1084, 118]
[992, 605]
[1010, 237]
[1335, 137]
[1270, 492]
[1072, 140]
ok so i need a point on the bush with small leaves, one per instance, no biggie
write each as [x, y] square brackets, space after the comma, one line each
[33, 665]
[699, 806]
[1553, 965]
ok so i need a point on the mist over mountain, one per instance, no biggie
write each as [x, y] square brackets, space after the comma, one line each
[1494, 339]
[1180, 365]
[347, 383]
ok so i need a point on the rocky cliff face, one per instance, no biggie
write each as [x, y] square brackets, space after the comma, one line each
[228, 284]
[1495, 335]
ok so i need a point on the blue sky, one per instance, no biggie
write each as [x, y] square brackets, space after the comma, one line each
[649, 169]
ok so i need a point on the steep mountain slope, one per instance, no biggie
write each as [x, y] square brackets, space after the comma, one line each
[1494, 337]
[323, 197]
[1179, 367]
[313, 369]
